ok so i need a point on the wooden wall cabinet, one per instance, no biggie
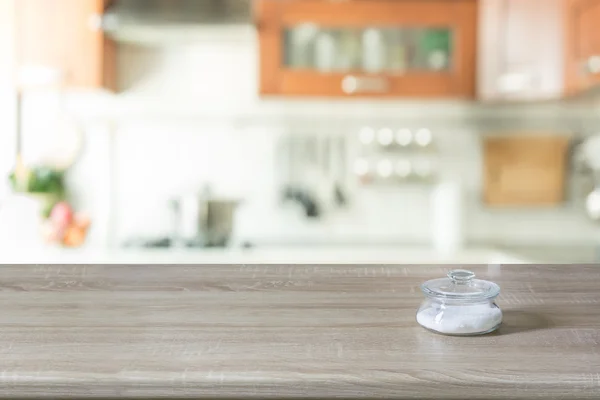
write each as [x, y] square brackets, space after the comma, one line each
[63, 37]
[538, 49]
[582, 41]
[520, 50]
[381, 48]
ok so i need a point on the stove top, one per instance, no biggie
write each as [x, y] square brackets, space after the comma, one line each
[167, 243]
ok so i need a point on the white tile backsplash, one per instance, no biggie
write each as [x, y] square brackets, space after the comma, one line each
[157, 162]
[190, 115]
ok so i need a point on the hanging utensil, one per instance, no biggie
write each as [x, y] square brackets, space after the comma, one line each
[338, 147]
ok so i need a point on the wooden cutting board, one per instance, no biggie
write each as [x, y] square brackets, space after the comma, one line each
[525, 169]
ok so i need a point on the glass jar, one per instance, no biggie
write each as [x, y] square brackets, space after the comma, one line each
[460, 305]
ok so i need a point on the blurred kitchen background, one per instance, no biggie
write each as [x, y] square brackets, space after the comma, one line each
[392, 131]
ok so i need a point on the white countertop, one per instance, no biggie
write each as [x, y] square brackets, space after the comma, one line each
[275, 255]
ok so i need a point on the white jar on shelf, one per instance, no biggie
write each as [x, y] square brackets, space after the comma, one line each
[403, 169]
[404, 137]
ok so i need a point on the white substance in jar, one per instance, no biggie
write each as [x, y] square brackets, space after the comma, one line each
[460, 319]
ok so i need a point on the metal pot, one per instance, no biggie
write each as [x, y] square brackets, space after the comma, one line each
[203, 220]
[593, 204]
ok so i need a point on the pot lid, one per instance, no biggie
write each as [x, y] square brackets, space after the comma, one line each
[460, 285]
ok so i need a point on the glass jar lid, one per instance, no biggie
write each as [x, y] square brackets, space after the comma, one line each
[460, 285]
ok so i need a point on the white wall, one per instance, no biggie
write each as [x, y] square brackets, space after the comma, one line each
[190, 115]
[7, 136]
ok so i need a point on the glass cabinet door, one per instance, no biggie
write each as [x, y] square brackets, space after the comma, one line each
[375, 50]
[368, 47]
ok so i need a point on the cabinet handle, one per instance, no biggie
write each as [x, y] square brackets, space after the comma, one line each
[353, 85]
[593, 64]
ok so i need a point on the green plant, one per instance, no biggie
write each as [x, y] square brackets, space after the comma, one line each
[42, 181]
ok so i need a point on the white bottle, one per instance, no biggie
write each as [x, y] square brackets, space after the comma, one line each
[447, 217]
[373, 51]
[325, 52]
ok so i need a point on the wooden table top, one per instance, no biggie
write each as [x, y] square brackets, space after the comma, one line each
[290, 332]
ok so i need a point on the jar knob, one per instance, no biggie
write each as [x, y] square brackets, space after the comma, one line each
[461, 276]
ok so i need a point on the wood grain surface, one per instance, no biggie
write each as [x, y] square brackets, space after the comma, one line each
[287, 331]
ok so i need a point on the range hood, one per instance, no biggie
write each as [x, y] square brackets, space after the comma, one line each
[167, 21]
